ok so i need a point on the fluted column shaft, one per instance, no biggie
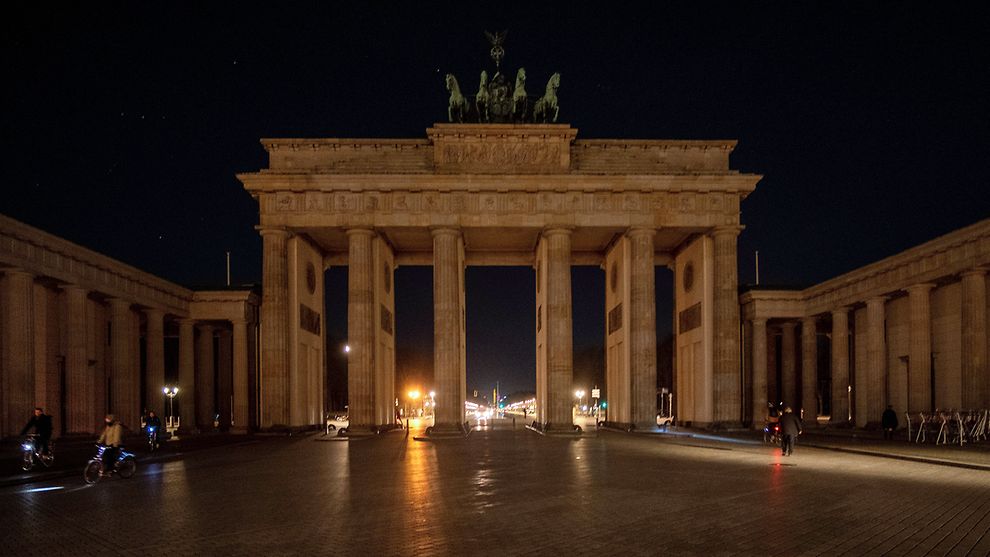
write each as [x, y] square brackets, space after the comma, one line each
[240, 378]
[187, 375]
[205, 372]
[18, 350]
[360, 328]
[727, 397]
[80, 396]
[275, 328]
[920, 348]
[975, 376]
[642, 327]
[759, 366]
[788, 365]
[224, 384]
[840, 365]
[154, 349]
[809, 369]
[876, 357]
[447, 364]
[125, 383]
[560, 340]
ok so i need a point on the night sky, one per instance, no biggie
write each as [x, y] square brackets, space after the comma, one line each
[125, 123]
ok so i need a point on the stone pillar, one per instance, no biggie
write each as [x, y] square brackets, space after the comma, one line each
[154, 343]
[225, 356]
[360, 331]
[275, 329]
[876, 357]
[759, 372]
[187, 376]
[788, 365]
[727, 396]
[205, 404]
[920, 348]
[240, 377]
[80, 394]
[448, 365]
[840, 365]
[125, 383]
[809, 370]
[18, 350]
[975, 374]
[560, 339]
[642, 325]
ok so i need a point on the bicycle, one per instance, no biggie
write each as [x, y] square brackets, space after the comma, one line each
[125, 465]
[36, 454]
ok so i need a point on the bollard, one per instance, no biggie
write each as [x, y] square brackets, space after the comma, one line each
[513, 422]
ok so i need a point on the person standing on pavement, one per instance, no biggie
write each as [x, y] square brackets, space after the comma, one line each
[889, 422]
[790, 428]
[42, 424]
[112, 436]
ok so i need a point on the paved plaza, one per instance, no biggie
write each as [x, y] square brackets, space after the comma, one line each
[508, 492]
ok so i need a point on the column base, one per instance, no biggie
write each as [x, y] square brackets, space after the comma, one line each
[562, 430]
[239, 430]
[365, 430]
[442, 430]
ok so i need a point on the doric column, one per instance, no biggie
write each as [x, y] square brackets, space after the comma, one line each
[18, 350]
[205, 372]
[560, 340]
[840, 365]
[79, 387]
[876, 359]
[975, 374]
[187, 376]
[727, 397]
[759, 366]
[275, 328]
[241, 377]
[360, 329]
[788, 365]
[809, 370]
[447, 322]
[225, 387]
[154, 349]
[642, 325]
[920, 348]
[125, 379]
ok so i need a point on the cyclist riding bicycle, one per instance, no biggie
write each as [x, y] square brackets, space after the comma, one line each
[112, 437]
[42, 425]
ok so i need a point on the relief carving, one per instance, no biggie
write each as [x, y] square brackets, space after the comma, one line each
[499, 155]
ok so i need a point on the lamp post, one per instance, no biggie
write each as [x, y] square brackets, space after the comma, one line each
[413, 397]
[579, 394]
[433, 405]
[170, 392]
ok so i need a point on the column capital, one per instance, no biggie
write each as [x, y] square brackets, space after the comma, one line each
[977, 271]
[154, 312]
[809, 320]
[635, 231]
[788, 325]
[841, 310]
[119, 302]
[17, 271]
[920, 288]
[73, 287]
[445, 231]
[876, 300]
[266, 230]
[205, 326]
[185, 320]
[759, 321]
[726, 230]
[361, 231]
[557, 231]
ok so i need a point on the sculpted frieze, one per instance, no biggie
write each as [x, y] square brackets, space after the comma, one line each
[498, 157]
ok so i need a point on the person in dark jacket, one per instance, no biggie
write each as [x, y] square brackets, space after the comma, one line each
[889, 422]
[790, 428]
[42, 425]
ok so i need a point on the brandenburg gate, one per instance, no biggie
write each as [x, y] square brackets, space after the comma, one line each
[501, 194]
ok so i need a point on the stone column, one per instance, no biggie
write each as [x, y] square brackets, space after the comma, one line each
[759, 372]
[125, 383]
[642, 326]
[154, 343]
[447, 364]
[360, 331]
[80, 392]
[241, 377]
[920, 349]
[18, 350]
[876, 358]
[809, 370]
[205, 405]
[275, 328]
[187, 376]
[727, 397]
[225, 361]
[788, 365]
[974, 340]
[560, 339]
[840, 365]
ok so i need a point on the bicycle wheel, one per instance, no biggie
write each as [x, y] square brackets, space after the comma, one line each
[126, 467]
[28, 462]
[92, 471]
[47, 459]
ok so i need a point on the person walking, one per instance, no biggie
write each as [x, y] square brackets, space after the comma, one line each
[790, 428]
[889, 422]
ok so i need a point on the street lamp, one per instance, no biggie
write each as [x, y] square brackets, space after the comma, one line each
[170, 392]
[579, 394]
[347, 349]
[413, 397]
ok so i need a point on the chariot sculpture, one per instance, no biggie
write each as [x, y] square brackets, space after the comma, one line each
[499, 101]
